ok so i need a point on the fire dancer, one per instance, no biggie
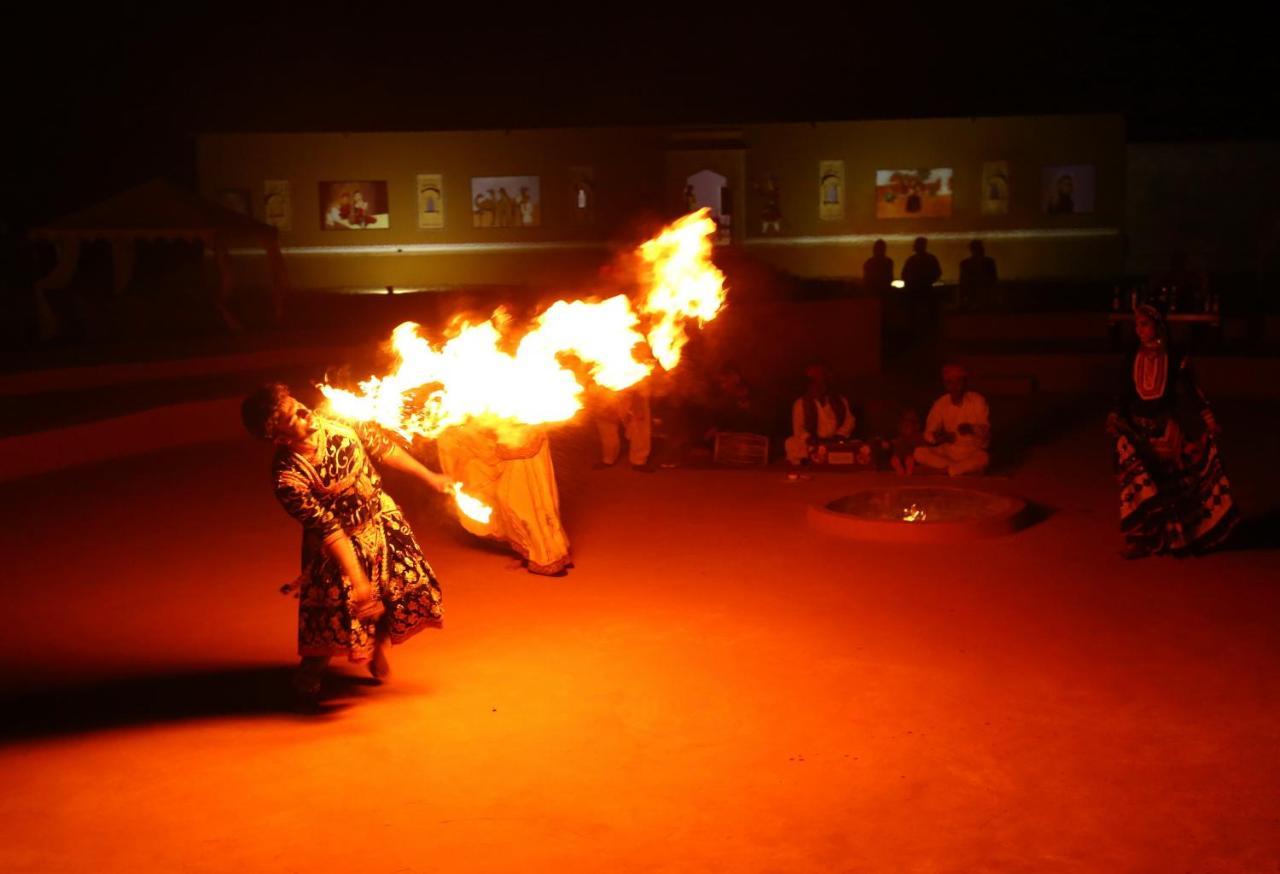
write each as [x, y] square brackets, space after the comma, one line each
[511, 471]
[364, 581]
[1174, 495]
[486, 394]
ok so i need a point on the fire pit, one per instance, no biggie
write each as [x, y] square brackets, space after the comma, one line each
[920, 514]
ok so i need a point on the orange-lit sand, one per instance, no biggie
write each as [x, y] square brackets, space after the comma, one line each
[716, 687]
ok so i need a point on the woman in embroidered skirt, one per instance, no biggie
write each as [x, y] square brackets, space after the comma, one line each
[1174, 495]
[513, 473]
[364, 581]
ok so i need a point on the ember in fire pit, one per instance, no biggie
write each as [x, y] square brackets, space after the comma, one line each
[938, 514]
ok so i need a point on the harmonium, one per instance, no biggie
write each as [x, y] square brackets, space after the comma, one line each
[849, 453]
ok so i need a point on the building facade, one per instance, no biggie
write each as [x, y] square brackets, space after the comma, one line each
[435, 209]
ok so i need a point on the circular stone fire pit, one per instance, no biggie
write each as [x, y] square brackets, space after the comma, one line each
[919, 514]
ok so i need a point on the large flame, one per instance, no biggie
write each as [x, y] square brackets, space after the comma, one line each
[473, 376]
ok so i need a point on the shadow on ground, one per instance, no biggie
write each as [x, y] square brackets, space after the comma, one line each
[1035, 514]
[164, 698]
[1257, 531]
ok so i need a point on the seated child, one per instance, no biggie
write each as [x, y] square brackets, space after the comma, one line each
[903, 446]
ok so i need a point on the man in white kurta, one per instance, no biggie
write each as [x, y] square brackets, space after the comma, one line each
[958, 430]
[818, 416]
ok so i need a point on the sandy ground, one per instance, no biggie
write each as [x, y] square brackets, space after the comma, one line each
[715, 687]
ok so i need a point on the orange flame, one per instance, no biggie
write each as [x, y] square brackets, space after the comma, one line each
[472, 376]
[471, 506]
[685, 287]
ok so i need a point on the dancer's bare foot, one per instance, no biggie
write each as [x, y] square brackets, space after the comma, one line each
[380, 665]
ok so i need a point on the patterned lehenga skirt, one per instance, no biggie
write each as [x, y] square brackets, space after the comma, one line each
[385, 547]
[1174, 496]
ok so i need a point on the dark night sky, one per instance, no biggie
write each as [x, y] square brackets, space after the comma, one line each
[111, 97]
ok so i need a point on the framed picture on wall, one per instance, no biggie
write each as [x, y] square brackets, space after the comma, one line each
[277, 204]
[994, 197]
[430, 201]
[913, 193]
[1067, 189]
[831, 190]
[506, 201]
[582, 195]
[354, 206]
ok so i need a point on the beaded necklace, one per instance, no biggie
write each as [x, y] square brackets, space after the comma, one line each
[1150, 372]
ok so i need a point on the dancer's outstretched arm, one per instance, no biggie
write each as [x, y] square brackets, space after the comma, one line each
[402, 461]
